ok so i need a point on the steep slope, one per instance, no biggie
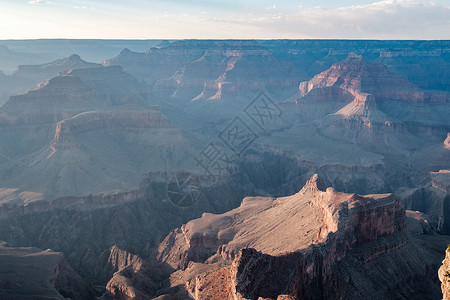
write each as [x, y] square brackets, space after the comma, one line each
[431, 198]
[362, 103]
[99, 151]
[208, 70]
[87, 130]
[26, 77]
[131, 276]
[317, 244]
[357, 74]
[61, 95]
[30, 273]
[35, 114]
[444, 275]
[396, 97]
[111, 84]
[425, 63]
[250, 225]
[38, 73]
[104, 234]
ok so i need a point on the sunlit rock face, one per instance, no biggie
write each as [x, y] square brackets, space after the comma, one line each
[447, 141]
[300, 246]
[444, 276]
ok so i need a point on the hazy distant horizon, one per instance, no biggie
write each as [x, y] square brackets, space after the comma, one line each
[199, 19]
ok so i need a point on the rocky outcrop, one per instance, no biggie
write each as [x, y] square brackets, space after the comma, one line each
[444, 275]
[56, 99]
[432, 198]
[357, 74]
[76, 114]
[312, 273]
[370, 107]
[133, 277]
[447, 142]
[290, 246]
[211, 70]
[422, 62]
[72, 92]
[441, 180]
[111, 84]
[150, 122]
[27, 77]
[224, 235]
[38, 73]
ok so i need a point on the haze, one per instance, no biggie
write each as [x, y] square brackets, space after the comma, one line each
[135, 19]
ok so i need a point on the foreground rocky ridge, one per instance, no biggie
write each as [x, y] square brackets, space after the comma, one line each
[207, 248]
[444, 275]
[222, 257]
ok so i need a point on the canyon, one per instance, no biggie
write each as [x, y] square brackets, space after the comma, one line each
[132, 173]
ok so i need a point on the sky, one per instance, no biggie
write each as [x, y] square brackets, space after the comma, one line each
[232, 19]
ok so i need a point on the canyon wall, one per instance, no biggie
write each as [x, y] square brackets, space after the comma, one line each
[444, 275]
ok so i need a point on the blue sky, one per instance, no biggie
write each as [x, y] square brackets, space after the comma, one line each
[140, 19]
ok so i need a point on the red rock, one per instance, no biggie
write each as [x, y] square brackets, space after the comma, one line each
[444, 275]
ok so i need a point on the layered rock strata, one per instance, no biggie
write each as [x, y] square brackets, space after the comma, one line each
[285, 247]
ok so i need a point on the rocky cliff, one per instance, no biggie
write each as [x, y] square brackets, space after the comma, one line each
[447, 142]
[131, 276]
[432, 198]
[55, 99]
[78, 115]
[307, 248]
[357, 74]
[444, 275]
[133, 122]
[111, 84]
[26, 77]
[38, 73]
[363, 103]
[351, 220]
[31, 273]
[421, 62]
[211, 70]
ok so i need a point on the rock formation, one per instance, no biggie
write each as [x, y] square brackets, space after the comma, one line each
[210, 70]
[30, 273]
[432, 198]
[26, 77]
[69, 120]
[111, 84]
[38, 73]
[132, 277]
[299, 246]
[447, 142]
[444, 275]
